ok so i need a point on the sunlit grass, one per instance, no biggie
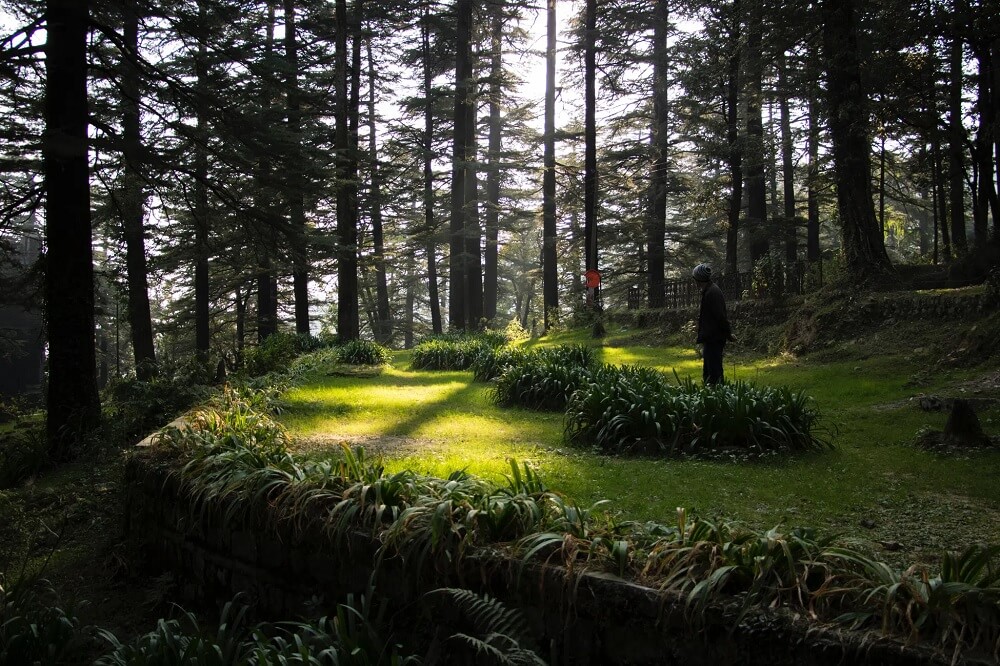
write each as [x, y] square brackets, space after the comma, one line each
[450, 424]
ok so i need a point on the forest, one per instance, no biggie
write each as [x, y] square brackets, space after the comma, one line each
[376, 168]
[198, 191]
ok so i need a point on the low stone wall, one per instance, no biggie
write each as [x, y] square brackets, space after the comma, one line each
[583, 619]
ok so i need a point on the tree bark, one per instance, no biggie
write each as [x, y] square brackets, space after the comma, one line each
[956, 151]
[132, 204]
[73, 403]
[735, 147]
[202, 315]
[430, 225]
[660, 135]
[864, 249]
[787, 166]
[550, 274]
[458, 283]
[347, 208]
[490, 281]
[590, 175]
[986, 195]
[755, 151]
[295, 178]
[812, 226]
[383, 325]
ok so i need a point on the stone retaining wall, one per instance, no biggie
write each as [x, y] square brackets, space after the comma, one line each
[584, 619]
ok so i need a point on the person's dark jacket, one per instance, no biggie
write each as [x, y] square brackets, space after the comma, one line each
[713, 323]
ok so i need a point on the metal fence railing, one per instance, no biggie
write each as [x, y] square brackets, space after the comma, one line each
[684, 293]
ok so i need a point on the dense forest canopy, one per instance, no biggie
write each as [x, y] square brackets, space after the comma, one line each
[207, 173]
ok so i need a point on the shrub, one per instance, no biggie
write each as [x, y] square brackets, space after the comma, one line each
[276, 352]
[363, 352]
[491, 362]
[633, 409]
[543, 378]
[457, 353]
[23, 453]
[33, 630]
[135, 407]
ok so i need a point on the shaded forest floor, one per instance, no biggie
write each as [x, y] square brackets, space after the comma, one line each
[908, 504]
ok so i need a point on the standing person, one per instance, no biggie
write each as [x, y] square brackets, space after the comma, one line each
[713, 324]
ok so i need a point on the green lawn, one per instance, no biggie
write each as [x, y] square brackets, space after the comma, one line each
[911, 501]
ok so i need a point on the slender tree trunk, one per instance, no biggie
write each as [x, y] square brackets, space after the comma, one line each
[812, 225]
[74, 408]
[986, 194]
[430, 225]
[473, 231]
[590, 175]
[735, 147]
[956, 151]
[490, 282]
[347, 206]
[755, 152]
[660, 135]
[864, 248]
[240, 301]
[295, 178]
[550, 274]
[383, 330]
[458, 283]
[787, 166]
[132, 204]
[942, 199]
[995, 57]
[267, 291]
[202, 315]
[881, 185]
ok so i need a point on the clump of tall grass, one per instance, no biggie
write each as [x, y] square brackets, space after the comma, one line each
[363, 352]
[542, 378]
[634, 409]
[454, 351]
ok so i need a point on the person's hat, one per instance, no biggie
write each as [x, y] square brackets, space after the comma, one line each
[702, 273]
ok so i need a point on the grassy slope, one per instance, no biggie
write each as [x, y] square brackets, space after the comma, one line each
[919, 502]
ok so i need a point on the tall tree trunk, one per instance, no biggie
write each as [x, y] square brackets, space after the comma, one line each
[755, 150]
[490, 282]
[473, 232]
[458, 284]
[383, 330]
[942, 199]
[550, 274]
[864, 248]
[735, 149]
[787, 166]
[995, 78]
[660, 135]
[132, 204]
[812, 225]
[74, 407]
[986, 194]
[267, 290]
[347, 207]
[430, 225]
[202, 315]
[590, 176]
[956, 151]
[295, 178]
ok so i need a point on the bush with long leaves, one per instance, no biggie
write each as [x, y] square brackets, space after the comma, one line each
[630, 408]
[543, 378]
[448, 354]
[363, 352]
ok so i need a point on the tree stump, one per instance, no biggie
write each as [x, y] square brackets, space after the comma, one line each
[963, 426]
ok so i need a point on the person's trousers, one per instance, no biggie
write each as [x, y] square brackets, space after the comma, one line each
[712, 357]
